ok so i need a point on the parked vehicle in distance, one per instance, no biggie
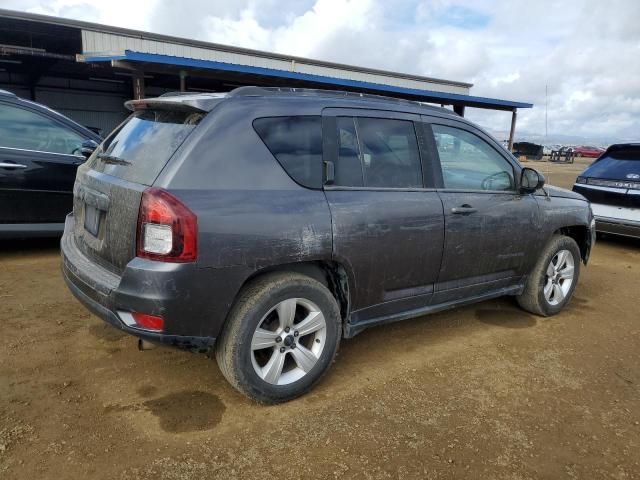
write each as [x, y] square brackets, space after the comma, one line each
[532, 151]
[40, 150]
[612, 185]
[563, 155]
[589, 152]
[267, 224]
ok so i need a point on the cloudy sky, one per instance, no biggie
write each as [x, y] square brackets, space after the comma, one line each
[587, 53]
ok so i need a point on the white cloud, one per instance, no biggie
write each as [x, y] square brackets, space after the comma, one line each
[121, 13]
[585, 53]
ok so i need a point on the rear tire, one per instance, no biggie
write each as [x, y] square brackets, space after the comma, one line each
[553, 279]
[280, 338]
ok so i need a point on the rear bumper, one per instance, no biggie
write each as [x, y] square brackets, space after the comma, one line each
[618, 227]
[617, 220]
[195, 344]
[145, 286]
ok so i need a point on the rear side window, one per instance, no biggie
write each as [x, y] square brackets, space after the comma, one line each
[296, 142]
[377, 152]
[27, 130]
[138, 150]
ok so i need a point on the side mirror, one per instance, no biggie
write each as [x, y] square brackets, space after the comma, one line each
[530, 180]
[88, 147]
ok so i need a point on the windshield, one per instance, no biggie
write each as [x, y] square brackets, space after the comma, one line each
[140, 148]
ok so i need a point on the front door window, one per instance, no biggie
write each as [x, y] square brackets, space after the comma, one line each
[470, 163]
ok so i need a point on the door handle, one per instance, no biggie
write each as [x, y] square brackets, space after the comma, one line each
[11, 165]
[464, 209]
[329, 173]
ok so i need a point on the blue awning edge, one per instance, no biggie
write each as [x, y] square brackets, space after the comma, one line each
[356, 85]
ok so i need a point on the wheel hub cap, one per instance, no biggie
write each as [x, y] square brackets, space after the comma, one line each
[559, 277]
[288, 341]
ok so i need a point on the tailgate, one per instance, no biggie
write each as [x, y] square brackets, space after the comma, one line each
[109, 186]
[106, 211]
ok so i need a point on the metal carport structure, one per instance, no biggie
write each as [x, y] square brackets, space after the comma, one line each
[140, 63]
[69, 62]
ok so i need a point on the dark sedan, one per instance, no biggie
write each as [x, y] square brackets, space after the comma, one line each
[40, 151]
[612, 185]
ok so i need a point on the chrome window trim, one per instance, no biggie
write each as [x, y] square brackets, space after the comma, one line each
[42, 151]
[479, 190]
[334, 188]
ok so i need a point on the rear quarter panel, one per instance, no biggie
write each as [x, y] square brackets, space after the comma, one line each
[251, 214]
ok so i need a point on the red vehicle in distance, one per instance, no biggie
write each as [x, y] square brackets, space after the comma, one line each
[591, 152]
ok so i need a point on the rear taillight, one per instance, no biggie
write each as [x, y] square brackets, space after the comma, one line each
[167, 229]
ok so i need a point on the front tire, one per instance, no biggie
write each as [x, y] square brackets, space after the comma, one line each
[280, 338]
[551, 284]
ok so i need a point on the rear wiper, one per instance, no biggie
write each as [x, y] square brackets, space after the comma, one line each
[106, 158]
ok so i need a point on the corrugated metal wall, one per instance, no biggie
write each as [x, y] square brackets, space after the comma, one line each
[97, 110]
[100, 43]
[78, 100]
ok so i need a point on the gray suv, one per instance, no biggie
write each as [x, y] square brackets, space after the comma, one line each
[267, 224]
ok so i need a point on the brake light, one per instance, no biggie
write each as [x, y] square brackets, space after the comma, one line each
[167, 229]
[140, 104]
[148, 322]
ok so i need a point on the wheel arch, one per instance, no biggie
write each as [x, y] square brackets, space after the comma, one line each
[582, 236]
[331, 274]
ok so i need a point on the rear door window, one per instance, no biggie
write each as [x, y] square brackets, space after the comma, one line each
[296, 142]
[377, 153]
[348, 167]
[138, 150]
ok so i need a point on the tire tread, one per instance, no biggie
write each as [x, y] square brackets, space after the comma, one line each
[230, 341]
[531, 298]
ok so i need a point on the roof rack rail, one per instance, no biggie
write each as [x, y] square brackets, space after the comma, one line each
[309, 92]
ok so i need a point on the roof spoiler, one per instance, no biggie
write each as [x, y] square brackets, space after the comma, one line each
[185, 102]
[616, 147]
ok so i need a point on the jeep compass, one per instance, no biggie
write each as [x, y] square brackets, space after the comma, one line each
[266, 224]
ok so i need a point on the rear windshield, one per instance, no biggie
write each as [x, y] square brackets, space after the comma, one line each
[616, 165]
[140, 148]
[626, 153]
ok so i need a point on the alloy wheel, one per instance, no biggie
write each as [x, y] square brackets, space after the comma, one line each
[559, 277]
[288, 341]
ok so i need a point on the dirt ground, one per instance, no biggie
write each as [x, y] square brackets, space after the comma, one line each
[487, 391]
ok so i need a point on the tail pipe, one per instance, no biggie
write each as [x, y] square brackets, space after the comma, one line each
[144, 345]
